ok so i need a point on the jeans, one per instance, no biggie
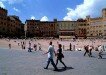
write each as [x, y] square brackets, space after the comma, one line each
[29, 50]
[52, 62]
[60, 61]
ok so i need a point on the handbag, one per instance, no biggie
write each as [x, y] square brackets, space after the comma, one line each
[62, 55]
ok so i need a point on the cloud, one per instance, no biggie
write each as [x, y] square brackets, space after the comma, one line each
[32, 17]
[88, 7]
[12, 1]
[2, 5]
[44, 18]
[17, 10]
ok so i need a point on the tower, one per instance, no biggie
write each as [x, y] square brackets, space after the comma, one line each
[88, 18]
[104, 13]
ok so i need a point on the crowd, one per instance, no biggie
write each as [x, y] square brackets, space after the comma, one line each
[88, 50]
[86, 45]
[34, 45]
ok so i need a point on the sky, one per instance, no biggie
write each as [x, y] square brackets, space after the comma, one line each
[47, 10]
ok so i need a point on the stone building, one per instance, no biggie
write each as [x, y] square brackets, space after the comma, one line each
[14, 26]
[3, 12]
[81, 29]
[32, 28]
[48, 29]
[104, 22]
[37, 28]
[3, 21]
[97, 26]
[67, 29]
[10, 26]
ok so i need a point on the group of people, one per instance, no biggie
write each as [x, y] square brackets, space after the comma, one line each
[22, 45]
[34, 47]
[30, 47]
[88, 50]
[58, 54]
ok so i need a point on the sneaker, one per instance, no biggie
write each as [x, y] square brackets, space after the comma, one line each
[45, 68]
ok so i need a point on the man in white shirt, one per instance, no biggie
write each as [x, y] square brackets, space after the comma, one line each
[50, 57]
[100, 50]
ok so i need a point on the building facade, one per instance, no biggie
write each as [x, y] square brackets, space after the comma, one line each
[3, 21]
[82, 28]
[48, 29]
[67, 29]
[3, 12]
[104, 21]
[32, 28]
[10, 25]
[97, 26]
[37, 28]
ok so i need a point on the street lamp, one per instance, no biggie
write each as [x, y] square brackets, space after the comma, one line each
[25, 29]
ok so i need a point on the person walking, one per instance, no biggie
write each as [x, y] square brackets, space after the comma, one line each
[50, 53]
[23, 45]
[86, 50]
[60, 56]
[90, 50]
[35, 47]
[100, 52]
[70, 47]
[29, 48]
[9, 46]
[39, 46]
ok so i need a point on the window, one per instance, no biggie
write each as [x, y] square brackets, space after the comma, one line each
[91, 34]
[72, 24]
[3, 29]
[1, 22]
[52, 25]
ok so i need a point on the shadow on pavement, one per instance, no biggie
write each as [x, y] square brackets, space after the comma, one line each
[103, 58]
[104, 54]
[61, 69]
